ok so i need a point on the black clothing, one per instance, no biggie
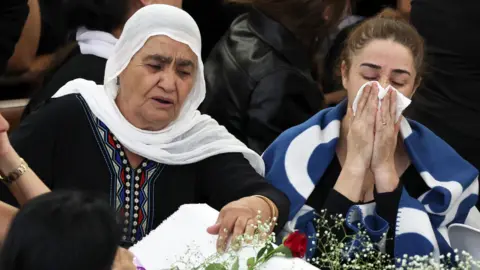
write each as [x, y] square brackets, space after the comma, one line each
[325, 197]
[13, 14]
[447, 101]
[259, 81]
[69, 148]
[88, 67]
[54, 33]
[332, 79]
[369, 8]
[213, 18]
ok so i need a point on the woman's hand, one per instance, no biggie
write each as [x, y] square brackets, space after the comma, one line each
[123, 260]
[9, 160]
[28, 185]
[238, 218]
[385, 144]
[360, 136]
[360, 139]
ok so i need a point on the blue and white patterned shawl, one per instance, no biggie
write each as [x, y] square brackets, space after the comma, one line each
[297, 159]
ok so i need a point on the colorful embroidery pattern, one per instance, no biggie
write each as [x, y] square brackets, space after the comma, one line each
[131, 189]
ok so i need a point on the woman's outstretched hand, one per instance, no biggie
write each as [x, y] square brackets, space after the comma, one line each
[360, 136]
[238, 218]
[385, 144]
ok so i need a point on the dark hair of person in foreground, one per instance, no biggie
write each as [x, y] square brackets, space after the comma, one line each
[62, 230]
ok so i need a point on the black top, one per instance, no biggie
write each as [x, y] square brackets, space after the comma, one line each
[325, 197]
[13, 14]
[450, 91]
[88, 67]
[54, 32]
[69, 148]
[259, 81]
[447, 101]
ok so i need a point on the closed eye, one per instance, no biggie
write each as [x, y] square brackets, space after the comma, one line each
[369, 78]
[398, 84]
[155, 67]
[184, 73]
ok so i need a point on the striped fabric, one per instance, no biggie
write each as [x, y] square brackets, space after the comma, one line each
[296, 161]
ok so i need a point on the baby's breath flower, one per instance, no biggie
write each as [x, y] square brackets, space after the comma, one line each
[349, 252]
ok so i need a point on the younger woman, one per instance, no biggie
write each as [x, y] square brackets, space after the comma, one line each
[390, 174]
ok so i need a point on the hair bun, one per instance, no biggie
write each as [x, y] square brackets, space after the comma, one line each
[390, 13]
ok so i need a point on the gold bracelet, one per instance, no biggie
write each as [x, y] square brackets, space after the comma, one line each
[13, 176]
[271, 205]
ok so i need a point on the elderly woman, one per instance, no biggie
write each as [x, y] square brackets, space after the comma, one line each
[369, 164]
[140, 139]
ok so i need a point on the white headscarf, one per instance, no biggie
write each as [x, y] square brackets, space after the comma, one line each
[192, 137]
[96, 43]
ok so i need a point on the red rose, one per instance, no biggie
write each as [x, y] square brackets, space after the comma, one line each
[297, 243]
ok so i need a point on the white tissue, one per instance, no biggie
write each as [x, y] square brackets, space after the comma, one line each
[402, 101]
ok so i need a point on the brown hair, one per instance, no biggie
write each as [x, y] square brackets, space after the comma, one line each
[387, 25]
[304, 18]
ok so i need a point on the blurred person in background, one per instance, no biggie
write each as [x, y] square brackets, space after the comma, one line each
[41, 47]
[259, 75]
[448, 99]
[52, 28]
[19, 24]
[96, 26]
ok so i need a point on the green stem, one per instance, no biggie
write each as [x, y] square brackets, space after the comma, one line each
[264, 258]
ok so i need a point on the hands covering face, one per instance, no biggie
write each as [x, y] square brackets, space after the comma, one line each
[373, 133]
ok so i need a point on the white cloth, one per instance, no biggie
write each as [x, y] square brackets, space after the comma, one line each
[183, 237]
[465, 238]
[96, 43]
[402, 101]
[192, 137]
